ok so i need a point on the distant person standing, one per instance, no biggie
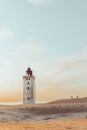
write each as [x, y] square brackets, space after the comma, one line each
[71, 97]
[77, 97]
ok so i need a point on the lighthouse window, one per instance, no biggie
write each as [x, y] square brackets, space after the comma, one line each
[27, 82]
[28, 98]
[28, 88]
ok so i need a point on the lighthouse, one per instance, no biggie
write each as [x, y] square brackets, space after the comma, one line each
[28, 87]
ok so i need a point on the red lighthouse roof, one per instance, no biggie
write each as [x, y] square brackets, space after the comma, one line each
[29, 71]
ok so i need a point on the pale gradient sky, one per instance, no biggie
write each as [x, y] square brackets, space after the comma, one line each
[50, 36]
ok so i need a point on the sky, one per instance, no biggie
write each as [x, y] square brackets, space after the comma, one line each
[50, 36]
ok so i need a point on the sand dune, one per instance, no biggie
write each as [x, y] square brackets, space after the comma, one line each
[61, 115]
[41, 112]
[74, 100]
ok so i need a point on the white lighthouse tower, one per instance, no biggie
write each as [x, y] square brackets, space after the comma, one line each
[29, 87]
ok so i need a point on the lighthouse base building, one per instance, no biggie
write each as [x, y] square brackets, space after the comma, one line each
[29, 87]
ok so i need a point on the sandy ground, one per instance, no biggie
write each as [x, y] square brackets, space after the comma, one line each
[51, 116]
[51, 125]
